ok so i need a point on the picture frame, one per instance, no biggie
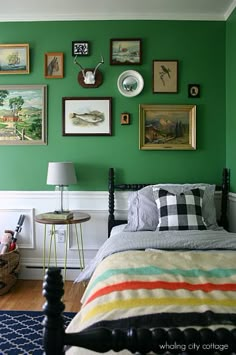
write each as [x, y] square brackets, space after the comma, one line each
[165, 76]
[194, 90]
[126, 51]
[54, 65]
[80, 48]
[125, 118]
[14, 58]
[23, 114]
[86, 116]
[167, 127]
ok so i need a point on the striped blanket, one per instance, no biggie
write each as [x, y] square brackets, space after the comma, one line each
[161, 289]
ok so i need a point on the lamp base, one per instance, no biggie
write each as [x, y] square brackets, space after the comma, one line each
[61, 212]
[62, 199]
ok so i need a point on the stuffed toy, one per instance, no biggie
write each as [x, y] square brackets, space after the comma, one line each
[5, 241]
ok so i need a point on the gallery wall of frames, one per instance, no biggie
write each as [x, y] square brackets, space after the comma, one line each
[128, 94]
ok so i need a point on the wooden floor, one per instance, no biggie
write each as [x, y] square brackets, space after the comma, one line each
[27, 295]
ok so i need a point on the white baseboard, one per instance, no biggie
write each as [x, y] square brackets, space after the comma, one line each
[37, 273]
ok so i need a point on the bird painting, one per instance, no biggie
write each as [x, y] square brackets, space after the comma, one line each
[165, 71]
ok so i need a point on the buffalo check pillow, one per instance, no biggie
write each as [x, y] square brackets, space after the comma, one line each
[179, 212]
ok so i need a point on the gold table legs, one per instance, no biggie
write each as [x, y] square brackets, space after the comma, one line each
[53, 243]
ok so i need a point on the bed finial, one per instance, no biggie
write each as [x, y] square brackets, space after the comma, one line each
[224, 200]
[53, 323]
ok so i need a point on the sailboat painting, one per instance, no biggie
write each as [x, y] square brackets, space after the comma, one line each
[14, 59]
[125, 51]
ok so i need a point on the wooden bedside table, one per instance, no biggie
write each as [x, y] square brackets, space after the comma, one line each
[78, 218]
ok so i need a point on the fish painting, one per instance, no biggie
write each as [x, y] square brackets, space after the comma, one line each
[87, 118]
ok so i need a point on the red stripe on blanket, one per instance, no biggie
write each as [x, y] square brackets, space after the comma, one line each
[149, 285]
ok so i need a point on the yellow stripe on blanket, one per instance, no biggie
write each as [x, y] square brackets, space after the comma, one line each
[147, 302]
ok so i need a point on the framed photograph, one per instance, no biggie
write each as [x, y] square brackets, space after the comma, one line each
[125, 118]
[86, 116]
[194, 90]
[23, 114]
[165, 76]
[125, 51]
[80, 48]
[54, 65]
[168, 127]
[14, 59]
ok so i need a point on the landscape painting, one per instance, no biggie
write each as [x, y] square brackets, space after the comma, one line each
[23, 114]
[14, 59]
[170, 127]
[125, 51]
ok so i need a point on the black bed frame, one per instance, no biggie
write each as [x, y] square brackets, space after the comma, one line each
[112, 187]
[142, 341]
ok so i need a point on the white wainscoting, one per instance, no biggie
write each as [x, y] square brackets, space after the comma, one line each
[30, 240]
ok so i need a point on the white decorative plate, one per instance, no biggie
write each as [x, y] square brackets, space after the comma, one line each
[130, 83]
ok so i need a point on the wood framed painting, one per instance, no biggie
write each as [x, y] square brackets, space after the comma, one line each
[165, 76]
[14, 59]
[86, 116]
[125, 51]
[54, 65]
[23, 114]
[167, 127]
[125, 118]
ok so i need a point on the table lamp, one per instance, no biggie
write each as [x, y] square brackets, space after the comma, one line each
[61, 174]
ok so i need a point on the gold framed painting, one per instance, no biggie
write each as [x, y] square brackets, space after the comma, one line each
[14, 58]
[54, 65]
[167, 127]
[165, 76]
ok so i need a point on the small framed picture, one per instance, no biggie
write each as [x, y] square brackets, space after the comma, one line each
[125, 51]
[125, 118]
[194, 90]
[80, 48]
[165, 76]
[53, 65]
[14, 58]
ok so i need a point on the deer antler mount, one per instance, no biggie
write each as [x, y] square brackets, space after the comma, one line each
[89, 78]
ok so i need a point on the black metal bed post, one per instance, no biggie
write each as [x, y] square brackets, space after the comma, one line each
[111, 201]
[224, 199]
[53, 323]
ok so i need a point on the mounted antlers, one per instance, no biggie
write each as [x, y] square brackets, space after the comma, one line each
[89, 77]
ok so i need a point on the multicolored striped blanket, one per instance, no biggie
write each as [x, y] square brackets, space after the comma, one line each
[161, 289]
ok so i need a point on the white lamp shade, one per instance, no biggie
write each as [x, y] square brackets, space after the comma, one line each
[61, 173]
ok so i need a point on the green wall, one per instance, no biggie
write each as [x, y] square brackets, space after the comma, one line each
[200, 49]
[230, 97]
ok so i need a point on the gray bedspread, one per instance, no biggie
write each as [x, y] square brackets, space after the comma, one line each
[174, 240]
